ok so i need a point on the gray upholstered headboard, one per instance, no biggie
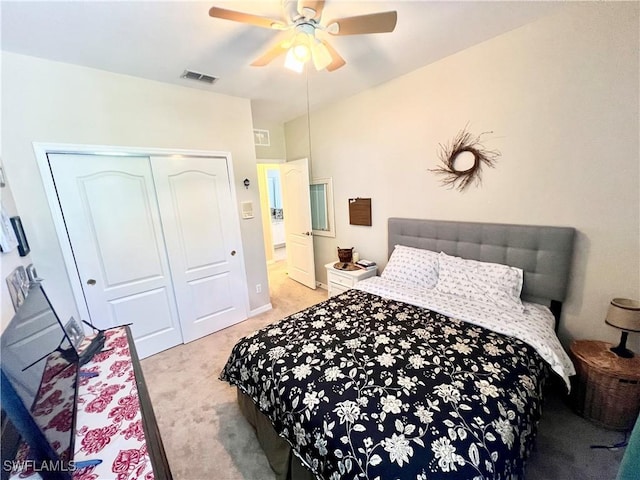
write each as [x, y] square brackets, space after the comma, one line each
[544, 253]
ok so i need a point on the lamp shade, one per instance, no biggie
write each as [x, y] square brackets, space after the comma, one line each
[624, 314]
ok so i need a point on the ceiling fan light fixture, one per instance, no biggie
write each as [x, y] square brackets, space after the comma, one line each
[320, 55]
[293, 62]
[304, 17]
[299, 53]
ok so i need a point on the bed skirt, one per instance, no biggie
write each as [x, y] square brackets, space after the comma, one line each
[284, 463]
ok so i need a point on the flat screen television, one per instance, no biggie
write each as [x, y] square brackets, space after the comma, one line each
[40, 367]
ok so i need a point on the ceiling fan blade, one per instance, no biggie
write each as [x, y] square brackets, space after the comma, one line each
[304, 7]
[336, 60]
[382, 22]
[267, 57]
[246, 18]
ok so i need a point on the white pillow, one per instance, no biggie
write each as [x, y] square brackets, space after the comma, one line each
[480, 281]
[412, 266]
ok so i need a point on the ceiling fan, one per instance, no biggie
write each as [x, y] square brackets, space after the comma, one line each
[304, 18]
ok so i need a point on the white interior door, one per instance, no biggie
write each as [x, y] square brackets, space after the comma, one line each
[297, 221]
[203, 241]
[112, 219]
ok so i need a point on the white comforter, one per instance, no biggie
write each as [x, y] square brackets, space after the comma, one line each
[535, 326]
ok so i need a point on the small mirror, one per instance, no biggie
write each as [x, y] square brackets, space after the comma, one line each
[275, 193]
[322, 207]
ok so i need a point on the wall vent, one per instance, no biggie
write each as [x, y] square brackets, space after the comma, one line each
[200, 77]
[261, 138]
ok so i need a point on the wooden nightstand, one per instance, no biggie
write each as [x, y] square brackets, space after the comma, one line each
[339, 281]
[606, 389]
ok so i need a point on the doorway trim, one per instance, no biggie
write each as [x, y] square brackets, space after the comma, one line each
[42, 150]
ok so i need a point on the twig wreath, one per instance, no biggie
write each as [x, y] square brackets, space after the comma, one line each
[464, 142]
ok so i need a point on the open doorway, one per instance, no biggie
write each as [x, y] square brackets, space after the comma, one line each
[270, 189]
[276, 213]
[270, 186]
[287, 184]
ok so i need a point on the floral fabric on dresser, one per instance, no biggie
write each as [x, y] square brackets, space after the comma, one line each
[53, 407]
[109, 419]
[372, 388]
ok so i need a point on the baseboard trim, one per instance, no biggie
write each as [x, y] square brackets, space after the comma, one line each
[259, 310]
[322, 285]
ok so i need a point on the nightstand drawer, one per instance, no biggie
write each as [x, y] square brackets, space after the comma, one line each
[347, 281]
[336, 289]
[339, 281]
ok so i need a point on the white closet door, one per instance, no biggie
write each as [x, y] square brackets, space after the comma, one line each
[202, 234]
[112, 219]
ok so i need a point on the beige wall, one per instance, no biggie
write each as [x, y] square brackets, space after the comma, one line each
[561, 97]
[8, 260]
[52, 102]
[277, 148]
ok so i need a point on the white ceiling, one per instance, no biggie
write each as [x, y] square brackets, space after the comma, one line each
[158, 40]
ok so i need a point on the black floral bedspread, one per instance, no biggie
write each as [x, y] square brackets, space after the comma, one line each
[365, 387]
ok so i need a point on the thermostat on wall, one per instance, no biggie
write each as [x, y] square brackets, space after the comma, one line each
[247, 209]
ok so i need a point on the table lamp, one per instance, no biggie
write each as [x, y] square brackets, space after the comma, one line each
[625, 315]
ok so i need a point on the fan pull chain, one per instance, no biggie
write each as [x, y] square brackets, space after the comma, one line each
[306, 72]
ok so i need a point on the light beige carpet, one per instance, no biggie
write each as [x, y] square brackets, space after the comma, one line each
[204, 434]
[206, 438]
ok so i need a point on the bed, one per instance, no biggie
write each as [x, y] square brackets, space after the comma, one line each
[433, 370]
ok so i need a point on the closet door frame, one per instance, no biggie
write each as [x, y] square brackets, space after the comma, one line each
[43, 149]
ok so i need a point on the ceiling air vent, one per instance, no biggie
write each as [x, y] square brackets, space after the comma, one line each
[200, 77]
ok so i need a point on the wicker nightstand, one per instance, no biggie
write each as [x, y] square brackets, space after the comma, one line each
[606, 389]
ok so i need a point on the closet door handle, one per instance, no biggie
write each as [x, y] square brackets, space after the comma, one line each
[233, 252]
[91, 282]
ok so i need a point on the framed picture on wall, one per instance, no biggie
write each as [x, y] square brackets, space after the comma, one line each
[74, 332]
[23, 245]
[8, 240]
[18, 285]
